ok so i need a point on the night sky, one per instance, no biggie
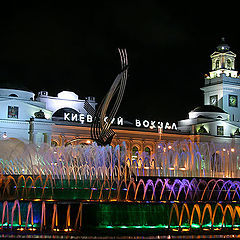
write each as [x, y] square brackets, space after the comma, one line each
[67, 47]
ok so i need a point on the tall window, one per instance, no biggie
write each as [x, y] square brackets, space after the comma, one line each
[229, 64]
[148, 152]
[134, 153]
[220, 130]
[217, 64]
[12, 112]
[232, 100]
[214, 100]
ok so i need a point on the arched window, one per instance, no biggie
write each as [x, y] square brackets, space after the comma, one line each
[134, 153]
[54, 143]
[148, 152]
[13, 95]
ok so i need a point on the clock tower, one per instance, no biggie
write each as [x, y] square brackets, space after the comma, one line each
[222, 85]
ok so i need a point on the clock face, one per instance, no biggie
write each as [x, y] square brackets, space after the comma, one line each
[213, 100]
[233, 100]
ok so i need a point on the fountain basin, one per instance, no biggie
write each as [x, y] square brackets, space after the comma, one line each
[88, 217]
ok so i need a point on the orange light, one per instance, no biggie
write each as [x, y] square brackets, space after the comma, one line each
[113, 200]
[67, 230]
[32, 229]
[20, 229]
[182, 168]
[206, 229]
[88, 141]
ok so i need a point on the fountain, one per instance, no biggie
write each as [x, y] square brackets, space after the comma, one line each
[82, 189]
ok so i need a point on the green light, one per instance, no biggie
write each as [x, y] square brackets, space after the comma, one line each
[16, 225]
[217, 225]
[184, 226]
[174, 226]
[109, 226]
[6, 224]
[195, 225]
[208, 225]
[134, 227]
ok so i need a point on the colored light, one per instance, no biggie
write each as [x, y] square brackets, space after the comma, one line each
[182, 168]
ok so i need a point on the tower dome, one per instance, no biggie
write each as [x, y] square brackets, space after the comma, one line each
[223, 46]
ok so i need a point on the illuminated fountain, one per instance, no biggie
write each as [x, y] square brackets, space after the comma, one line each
[45, 189]
[180, 159]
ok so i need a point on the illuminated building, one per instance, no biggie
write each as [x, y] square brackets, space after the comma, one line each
[23, 118]
[220, 115]
[66, 106]
[64, 120]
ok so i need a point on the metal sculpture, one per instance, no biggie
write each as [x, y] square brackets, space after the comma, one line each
[101, 131]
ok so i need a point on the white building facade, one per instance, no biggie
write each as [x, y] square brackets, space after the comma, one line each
[220, 114]
[23, 118]
[31, 120]
[66, 106]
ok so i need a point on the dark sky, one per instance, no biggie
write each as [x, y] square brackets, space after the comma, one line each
[73, 47]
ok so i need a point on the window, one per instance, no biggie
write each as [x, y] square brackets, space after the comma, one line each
[233, 100]
[13, 95]
[229, 64]
[217, 64]
[134, 153]
[54, 143]
[12, 112]
[148, 152]
[214, 100]
[220, 130]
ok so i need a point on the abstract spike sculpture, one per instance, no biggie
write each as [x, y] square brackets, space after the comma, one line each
[101, 131]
